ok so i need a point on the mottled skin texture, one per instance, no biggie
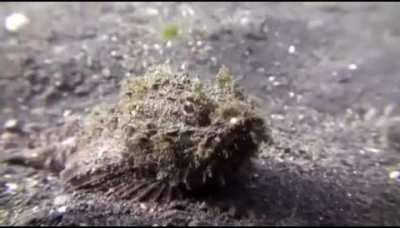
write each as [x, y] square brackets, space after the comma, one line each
[168, 136]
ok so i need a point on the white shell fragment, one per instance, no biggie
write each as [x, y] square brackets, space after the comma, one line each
[11, 124]
[394, 175]
[15, 22]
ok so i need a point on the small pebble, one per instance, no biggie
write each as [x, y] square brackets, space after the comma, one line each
[106, 73]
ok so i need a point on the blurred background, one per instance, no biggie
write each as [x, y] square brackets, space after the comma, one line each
[330, 52]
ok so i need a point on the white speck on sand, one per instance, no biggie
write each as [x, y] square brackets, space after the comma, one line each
[292, 49]
[271, 78]
[352, 66]
[143, 206]
[373, 150]
[276, 83]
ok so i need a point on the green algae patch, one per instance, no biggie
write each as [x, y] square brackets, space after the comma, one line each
[169, 31]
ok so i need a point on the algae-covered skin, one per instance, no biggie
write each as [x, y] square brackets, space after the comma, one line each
[167, 136]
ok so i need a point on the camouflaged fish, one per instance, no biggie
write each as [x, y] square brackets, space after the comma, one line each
[169, 135]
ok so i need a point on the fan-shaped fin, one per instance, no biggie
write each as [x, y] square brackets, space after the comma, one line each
[118, 189]
[169, 193]
[185, 179]
[146, 191]
[95, 181]
[132, 191]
